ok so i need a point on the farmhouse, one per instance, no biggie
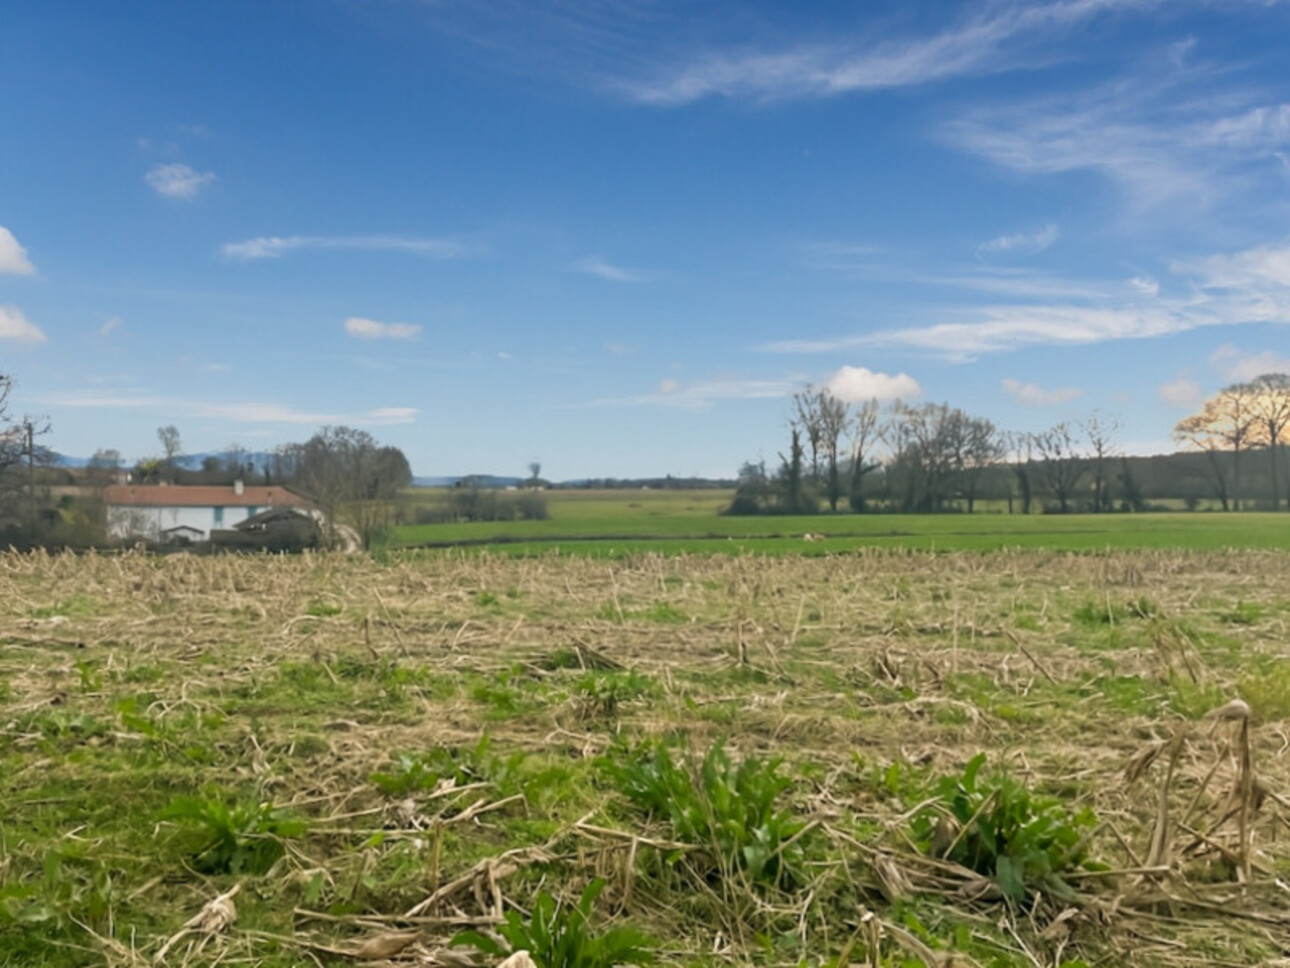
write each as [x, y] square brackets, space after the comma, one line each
[160, 512]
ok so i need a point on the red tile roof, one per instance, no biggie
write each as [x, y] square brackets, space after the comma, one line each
[199, 496]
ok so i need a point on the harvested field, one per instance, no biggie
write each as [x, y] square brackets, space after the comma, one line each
[324, 759]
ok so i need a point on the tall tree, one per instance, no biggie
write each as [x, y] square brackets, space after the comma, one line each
[833, 423]
[810, 419]
[1100, 431]
[1270, 404]
[1060, 462]
[171, 448]
[344, 470]
[982, 448]
[865, 429]
[1224, 425]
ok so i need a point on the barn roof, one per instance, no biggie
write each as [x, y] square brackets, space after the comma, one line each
[199, 496]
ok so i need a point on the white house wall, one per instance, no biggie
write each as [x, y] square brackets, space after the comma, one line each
[149, 522]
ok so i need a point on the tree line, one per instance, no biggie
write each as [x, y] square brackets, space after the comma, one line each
[932, 457]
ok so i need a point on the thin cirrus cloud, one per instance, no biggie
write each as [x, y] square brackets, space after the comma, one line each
[178, 181]
[1026, 243]
[1235, 364]
[1001, 38]
[598, 267]
[1147, 136]
[361, 328]
[247, 412]
[13, 257]
[1034, 395]
[1252, 286]
[673, 394]
[274, 247]
[15, 326]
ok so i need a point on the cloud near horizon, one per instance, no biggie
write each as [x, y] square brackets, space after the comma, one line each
[361, 328]
[178, 181]
[1033, 395]
[274, 247]
[13, 257]
[855, 384]
[249, 412]
[15, 326]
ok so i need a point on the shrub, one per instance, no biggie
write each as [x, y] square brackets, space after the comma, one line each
[726, 808]
[243, 838]
[1023, 842]
[557, 935]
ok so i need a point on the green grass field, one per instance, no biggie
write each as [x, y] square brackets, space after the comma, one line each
[616, 523]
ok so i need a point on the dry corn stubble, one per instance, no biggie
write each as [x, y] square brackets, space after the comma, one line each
[291, 680]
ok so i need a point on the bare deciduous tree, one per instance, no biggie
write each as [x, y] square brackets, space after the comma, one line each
[1224, 425]
[1270, 405]
[1100, 431]
[1060, 463]
[865, 428]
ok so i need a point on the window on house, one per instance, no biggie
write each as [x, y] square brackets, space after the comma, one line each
[219, 516]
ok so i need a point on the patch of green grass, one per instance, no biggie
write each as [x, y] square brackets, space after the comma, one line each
[732, 810]
[1243, 613]
[244, 838]
[321, 608]
[560, 935]
[1024, 842]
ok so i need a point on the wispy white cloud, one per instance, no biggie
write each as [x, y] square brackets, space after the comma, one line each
[15, 326]
[698, 396]
[361, 328]
[1028, 243]
[1182, 393]
[1001, 37]
[110, 326]
[1233, 289]
[1267, 266]
[1236, 364]
[178, 180]
[1033, 395]
[596, 266]
[13, 257]
[853, 384]
[1149, 136]
[274, 247]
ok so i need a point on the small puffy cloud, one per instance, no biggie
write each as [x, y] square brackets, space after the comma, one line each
[1181, 393]
[13, 257]
[361, 328]
[1033, 395]
[1024, 242]
[851, 384]
[1235, 364]
[669, 385]
[598, 267]
[14, 325]
[178, 181]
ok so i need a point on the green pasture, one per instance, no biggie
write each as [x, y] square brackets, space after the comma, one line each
[615, 523]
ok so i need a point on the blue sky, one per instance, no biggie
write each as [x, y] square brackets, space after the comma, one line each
[616, 236]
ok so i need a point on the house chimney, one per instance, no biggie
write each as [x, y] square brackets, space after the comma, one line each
[237, 486]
